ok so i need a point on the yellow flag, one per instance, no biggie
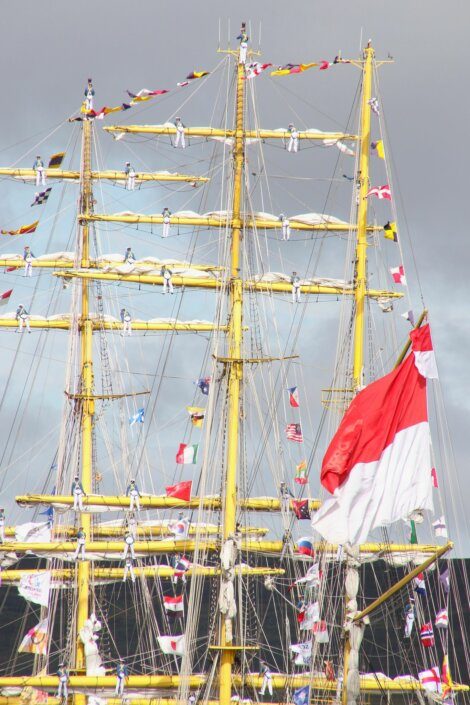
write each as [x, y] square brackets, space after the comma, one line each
[390, 231]
[292, 68]
[197, 415]
[379, 148]
[56, 160]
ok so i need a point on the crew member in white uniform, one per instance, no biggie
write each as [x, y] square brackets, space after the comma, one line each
[22, 316]
[28, 257]
[78, 494]
[130, 173]
[133, 493]
[2, 525]
[128, 546]
[89, 93]
[166, 213]
[293, 145]
[129, 568]
[179, 133]
[167, 283]
[121, 675]
[295, 281]
[38, 167]
[126, 320]
[243, 37]
[62, 690]
[267, 678]
[80, 549]
[129, 257]
[285, 224]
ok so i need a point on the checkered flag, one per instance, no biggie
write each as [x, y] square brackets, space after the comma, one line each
[41, 197]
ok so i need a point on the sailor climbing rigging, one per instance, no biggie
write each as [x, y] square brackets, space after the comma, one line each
[128, 568]
[80, 549]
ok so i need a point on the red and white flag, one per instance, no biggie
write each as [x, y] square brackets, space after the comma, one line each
[378, 465]
[5, 297]
[172, 644]
[182, 490]
[431, 679]
[382, 192]
[294, 397]
[173, 604]
[440, 527]
[187, 455]
[398, 274]
[320, 632]
[442, 619]
[423, 351]
[294, 432]
[426, 634]
[254, 69]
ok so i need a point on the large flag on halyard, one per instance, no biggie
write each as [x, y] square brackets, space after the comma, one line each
[35, 587]
[172, 644]
[378, 465]
[35, 640]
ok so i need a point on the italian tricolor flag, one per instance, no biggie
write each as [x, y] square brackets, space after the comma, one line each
[378, 465]
[187, 455]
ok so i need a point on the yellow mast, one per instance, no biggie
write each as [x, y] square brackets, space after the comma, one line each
[360, 280]
[361, 246]
[235, 366]
[86, 332]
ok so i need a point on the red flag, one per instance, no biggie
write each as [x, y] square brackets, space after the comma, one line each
[182, 490]
[324, 65]
[426, 634]
[301, 509]
[378, 464]
[434, 477]
[5, 297]
[398, 274]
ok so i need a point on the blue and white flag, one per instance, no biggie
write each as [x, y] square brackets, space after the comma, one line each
[302, 695]
[203, 384]
[49, 513]
[138, 417]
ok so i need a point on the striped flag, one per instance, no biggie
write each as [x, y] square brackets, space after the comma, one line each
[24, 230]
[420, 585]
[293, 397]
[426, 635]
[5, 297]
[440, 528]
[173, 604]
[382, 192]
[187, 455]
[294, 432]
[305, 547]
[442, 619]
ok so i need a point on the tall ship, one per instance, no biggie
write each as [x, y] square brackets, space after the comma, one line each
[239, 499]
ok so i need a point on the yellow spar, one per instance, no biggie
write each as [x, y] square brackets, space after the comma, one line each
[110, 175]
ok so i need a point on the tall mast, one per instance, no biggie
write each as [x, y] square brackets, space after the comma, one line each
[86, 366]
[235, 365]
[350, 670]
[361, 246]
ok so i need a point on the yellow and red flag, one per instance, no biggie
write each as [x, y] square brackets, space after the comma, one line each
[24, 230]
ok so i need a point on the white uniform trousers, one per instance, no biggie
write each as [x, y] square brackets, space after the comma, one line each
[296, 293]
[180, 137]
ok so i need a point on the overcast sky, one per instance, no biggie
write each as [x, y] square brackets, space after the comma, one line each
[50, 48]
